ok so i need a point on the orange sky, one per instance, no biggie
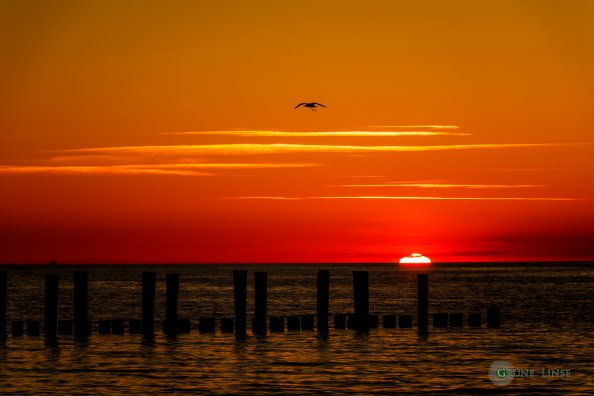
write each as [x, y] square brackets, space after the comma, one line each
[166, 131]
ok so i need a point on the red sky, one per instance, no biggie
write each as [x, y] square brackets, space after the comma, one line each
[166, 131]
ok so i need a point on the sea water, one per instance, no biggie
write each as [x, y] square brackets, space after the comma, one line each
[547, 327]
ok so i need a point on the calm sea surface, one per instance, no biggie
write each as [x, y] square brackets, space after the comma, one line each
[547, 314]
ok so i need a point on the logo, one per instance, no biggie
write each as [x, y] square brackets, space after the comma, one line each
[501, 372]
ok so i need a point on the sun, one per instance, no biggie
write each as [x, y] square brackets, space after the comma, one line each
[415, 258]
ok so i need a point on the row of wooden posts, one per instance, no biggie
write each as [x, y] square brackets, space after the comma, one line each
[361, 319]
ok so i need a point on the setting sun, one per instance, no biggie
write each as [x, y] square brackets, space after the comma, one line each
[415, 258]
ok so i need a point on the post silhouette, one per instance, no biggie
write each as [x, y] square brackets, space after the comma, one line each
[104, 327]
[260, 295]
[307, 322]
[134, 326]
[171, 297]
[50, 318]
[493, 317]
[149, 281]
[227, 325]
[117, 326]
[206, 325]
[294, 323]
[350, 321]
[81, 304]
[18, 328]
[373, 321]
[389, 321]
[240, 301]
[33, 328]
[456, 319]
[3, 298]
[323, 289]
[277, 324]
[440, 320]
[340, 321]
[405, 322]
[474, 319]
[361, 300]
[423, 303]
[65, 327]
[183, 325]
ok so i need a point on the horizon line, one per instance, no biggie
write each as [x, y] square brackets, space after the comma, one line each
[511, 261]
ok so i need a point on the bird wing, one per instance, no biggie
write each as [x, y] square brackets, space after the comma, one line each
[319, 104]
[300, 104]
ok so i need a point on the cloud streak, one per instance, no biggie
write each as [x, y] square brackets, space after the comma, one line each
[416, 126]
[98, 170]
[445, 185]
[317, 133]
[280, 148]
[162, 169]
[406, 197]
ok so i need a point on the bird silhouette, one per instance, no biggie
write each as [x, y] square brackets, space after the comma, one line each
[312, 105]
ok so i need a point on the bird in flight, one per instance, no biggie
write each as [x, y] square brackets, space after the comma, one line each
[312, 105]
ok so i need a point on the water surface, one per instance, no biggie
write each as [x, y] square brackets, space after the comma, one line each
[548, 323]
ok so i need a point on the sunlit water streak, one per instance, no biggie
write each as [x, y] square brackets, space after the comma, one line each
[548, 322]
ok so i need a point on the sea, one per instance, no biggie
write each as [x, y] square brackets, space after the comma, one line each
[545, 343]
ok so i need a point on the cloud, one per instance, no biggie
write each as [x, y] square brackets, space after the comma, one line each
[248, 133]
[158, 169]
[280, 148]
[107, 169]
[416, 126]
[444, 185]
[382, 197]
[91, 159]
[527, 169]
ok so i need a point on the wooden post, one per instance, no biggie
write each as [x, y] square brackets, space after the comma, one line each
[357, 303]
[65, 327]
[373, 321]
[456, 319]
[361, 299]
[171, 297]
[423, 303]
[350, 321]
[440, 320]
[183, 325]
[277, 324]
[135, 326]
[149, 281]
[3, 299]
[389, 321]
[323, 288]
[33, 328]
[81, 304]
[260, 294]
[206, 325]
[240, 301]
[104, 327]
[405, 322]
[294, 323]
[339, 321]
[474, 319]
[18, 328]
[227, 325]
[493, 317]
[117, 326]
[307, 322]
[50, 318]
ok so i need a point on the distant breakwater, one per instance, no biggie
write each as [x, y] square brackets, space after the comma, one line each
[81, 327]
